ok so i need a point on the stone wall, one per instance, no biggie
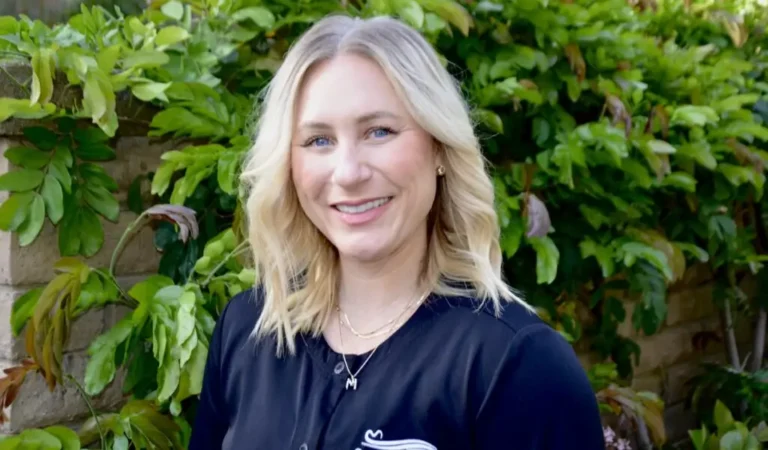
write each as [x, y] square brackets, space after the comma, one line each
[670, 357]
[24, 268]
[55, 10]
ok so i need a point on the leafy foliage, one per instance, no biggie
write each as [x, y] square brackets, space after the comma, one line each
[627, 145]
[58, 177]
[729, 434]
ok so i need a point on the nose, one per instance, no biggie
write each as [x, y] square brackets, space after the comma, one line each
[350, 166]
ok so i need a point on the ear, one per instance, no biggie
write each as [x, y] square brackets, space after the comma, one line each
[438, 150]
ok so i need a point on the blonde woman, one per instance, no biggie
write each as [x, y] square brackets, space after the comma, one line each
[381, 320]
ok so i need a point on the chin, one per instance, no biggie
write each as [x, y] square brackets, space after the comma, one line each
[362, 251]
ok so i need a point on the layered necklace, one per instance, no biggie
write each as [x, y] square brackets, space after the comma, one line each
[385, 329]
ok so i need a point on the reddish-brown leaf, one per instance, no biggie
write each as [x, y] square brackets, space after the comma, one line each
[575, 58]
[746, 156]
[619, 113]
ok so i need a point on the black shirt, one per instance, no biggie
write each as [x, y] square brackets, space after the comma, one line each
[452, 378]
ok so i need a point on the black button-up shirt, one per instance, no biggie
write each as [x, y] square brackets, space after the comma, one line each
[452, 378]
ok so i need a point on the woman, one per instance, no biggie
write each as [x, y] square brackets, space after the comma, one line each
[381, 320]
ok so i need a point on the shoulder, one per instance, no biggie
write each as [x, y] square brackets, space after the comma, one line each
[513, 321]
[516, 349]
[239, 316]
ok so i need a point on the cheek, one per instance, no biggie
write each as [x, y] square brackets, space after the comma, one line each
[304, 177]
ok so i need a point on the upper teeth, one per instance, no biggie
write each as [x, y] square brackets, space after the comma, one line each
[357, 209]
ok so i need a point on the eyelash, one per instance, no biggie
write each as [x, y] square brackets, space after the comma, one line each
[309, 142]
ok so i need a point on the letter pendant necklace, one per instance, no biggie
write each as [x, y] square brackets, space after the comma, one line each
[352, 377]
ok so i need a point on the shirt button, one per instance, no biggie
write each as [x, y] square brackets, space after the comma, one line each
[303, 447]
[338, 369]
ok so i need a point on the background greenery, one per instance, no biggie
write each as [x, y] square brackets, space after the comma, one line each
[627, 141]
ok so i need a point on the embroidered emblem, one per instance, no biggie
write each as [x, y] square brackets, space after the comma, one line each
[373, 439]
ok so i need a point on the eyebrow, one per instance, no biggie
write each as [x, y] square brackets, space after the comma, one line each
[362, 119]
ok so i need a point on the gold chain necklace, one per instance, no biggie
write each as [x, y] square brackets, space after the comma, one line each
[381, 330]
[352, 377]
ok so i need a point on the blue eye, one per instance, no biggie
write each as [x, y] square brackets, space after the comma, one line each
[317, 141]
[381, 132]
[322, 142]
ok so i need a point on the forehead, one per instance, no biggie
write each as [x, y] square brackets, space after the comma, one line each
[344, 87]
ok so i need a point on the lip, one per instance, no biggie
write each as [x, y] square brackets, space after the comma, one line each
[361, 218]
[359, 202]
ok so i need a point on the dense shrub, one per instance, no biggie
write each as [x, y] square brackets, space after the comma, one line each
[627, 142]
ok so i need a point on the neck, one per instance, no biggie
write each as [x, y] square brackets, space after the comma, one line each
[377, 286]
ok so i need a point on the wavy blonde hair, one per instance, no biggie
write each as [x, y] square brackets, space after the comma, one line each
[298, 267]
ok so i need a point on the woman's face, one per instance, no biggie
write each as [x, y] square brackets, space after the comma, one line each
[364, 171]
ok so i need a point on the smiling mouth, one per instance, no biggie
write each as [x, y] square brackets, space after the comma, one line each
[363, 207]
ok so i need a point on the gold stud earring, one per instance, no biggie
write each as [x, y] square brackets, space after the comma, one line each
[440, 170]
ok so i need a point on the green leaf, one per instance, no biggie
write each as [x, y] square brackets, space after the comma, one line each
[100, 370]
[43, 68]
[732, 440]
[698, 252]
[102, 201]
[226, 175]
[21, 180]
[603, 254]
[38, 439]
[661, 147]
[96, 175]
[23, 308]
[162, 178]
[135, 200]
[681, 180]
[90, 135]
[547, 259]
[258, 14]
[41, 137]
[691, 115]
[698, 438]
[723, 417]
[491, 120]
[59, 171]
[151, 91]
[121, 443]
[173, 9]
[80, 232]
[171, 35]
[30, 228]
[145, 59]
[699, 152]
[107, 58]
[95, 152]
[67, 437]
[54, 198]
[14, 210]
[411, 12]
[21, 108]
[28, 158]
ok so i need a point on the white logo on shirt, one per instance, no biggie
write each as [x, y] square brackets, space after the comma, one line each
[373, 440]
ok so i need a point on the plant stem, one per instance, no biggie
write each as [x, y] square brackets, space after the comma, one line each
[241, 247]
[758, 344]
[128, 233]
[90, 408]
[726, 318]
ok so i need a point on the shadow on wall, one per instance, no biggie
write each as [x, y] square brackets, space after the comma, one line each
[51, 11]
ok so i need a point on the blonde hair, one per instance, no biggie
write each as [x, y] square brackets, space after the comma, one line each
[298, 267]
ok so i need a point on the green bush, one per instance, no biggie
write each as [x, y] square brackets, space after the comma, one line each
[627, 142]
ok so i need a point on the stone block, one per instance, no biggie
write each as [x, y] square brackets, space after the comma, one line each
[671, 345]
[11, 348]
[677, 421]
[33, 264]
[135, 156]
[84, 330]
[37, 406]
[652, 382]
[690, 304]
[678, 376]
